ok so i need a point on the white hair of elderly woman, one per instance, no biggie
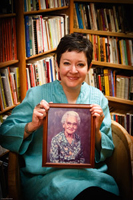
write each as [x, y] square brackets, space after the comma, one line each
[70, 113]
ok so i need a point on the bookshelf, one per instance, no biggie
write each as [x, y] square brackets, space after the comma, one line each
[21, 38]
[104, 33]
[116, 104]
[22, 60]
[11, 60]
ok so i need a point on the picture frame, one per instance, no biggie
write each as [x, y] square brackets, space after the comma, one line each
[68, 140]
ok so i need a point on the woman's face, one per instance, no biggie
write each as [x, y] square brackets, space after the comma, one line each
[70, 125]
[73, 69]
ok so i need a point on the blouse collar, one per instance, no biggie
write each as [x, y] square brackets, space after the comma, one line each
[80, 99]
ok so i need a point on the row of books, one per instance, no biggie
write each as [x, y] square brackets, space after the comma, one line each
[111, 83]
[30, 5]
[106, 17]
[9, 87]
[113, 50]
[126, 120]
[8, 46]
[41, 71]
[44, 33]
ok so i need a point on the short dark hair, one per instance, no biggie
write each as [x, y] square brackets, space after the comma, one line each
[75, 42]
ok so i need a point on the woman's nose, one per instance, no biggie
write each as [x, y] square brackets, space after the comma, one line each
[74, 69]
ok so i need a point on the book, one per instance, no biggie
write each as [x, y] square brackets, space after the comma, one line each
[131, 51]
[27, 36]
[79, 15]
[31, 74]
[7, 87]
[15, 70]
[2, 95]
[106, 79]
[28, 79]
[131, 88]
[14, 88]
[42, 4]
[93, 15]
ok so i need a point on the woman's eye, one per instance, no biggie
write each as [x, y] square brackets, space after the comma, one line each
[81, 65]
[66, 63]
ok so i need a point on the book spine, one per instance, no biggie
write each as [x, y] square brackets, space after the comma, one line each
[27, 36]
[106, 79]
[79, 16]
[3, 99]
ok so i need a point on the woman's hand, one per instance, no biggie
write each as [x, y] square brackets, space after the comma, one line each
[39, 113]
[97, 112]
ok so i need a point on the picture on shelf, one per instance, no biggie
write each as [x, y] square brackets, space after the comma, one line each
[68, 136]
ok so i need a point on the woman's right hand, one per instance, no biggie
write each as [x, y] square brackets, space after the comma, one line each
[39, 113]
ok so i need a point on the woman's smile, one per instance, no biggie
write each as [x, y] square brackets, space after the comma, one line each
[72, 78]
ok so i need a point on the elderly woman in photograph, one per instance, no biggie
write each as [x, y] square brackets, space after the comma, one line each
[66, 145]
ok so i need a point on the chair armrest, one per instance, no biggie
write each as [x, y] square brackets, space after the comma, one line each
[14, 183]
[119, 164]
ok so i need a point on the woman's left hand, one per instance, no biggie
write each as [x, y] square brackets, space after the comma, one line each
[97, 112]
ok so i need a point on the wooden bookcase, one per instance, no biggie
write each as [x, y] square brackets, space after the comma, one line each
[11, 62]
[21, 46]
[115, 103]
[21, 38]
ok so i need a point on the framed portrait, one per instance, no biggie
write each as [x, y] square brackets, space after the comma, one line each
[68, 136]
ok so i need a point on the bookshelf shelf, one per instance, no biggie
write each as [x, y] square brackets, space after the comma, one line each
[109, 1]
[112, 65]
[41, 54]
[8, 108]
[119, 100]
[7, 63]
[7, 15]
[104, 33]
[45, 10]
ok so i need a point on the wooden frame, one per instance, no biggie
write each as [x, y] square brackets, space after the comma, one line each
[54, 136]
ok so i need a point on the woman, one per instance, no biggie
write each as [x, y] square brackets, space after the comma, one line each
[22, 131]
[66, 146]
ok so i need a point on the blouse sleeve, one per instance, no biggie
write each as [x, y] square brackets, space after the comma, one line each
[107, 145]
[12, 130]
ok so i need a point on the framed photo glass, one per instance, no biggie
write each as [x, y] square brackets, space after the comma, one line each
[68, 136]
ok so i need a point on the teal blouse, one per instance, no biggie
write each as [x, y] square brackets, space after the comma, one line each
[52, 183]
